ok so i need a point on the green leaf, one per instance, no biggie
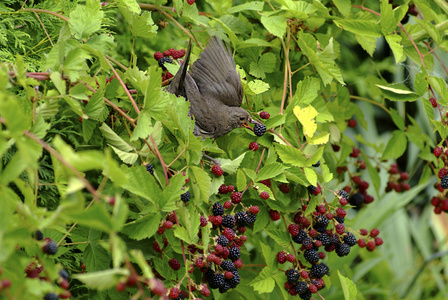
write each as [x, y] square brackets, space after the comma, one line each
[326, 174]
[256, 87]
[348, 287]
[263, 283]
[307, 90]
[374, 175]
[231, 166]
[96, 217]
[398, 120]
[270, 171]
[368, 43]
[171, 193]
[142, 228]
[311, 175]
[182, 233]
[438, 84]
[85, 20]
[361, 27]
[291, 155]
[262, 220]
[127, 158]
[101, 280]
[396, 146]
[113, 139]
[344, 6]
[387, 21]
[430, 29]
[95, 256]
[141, 183]
[201, 179]
[281, 237]
[396, 94]
[397, 48]
[240, 180]
[275, 121]
[420, 84]
[95, 108]
[255, 5]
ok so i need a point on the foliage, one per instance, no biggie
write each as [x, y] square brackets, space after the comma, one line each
[357, 96]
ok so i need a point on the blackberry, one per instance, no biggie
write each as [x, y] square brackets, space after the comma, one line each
[444, 182]
[51, 248]
[223, 241]
[227, 265]
[339, 219]
[300, 237]
[305, 295]
[311, 189]
[343, 194]
[209, 273]
[311, 256]
[39, 235]
[241, 218]
[216, 281]
[185, 197]
[228, 221]
[301, 287]
[350, 239]
[322, 221]
[342, 249]
[163, 60]
[324, 238]
[64, 274]
[320, 229]
[218, 209]
[234, 253]
[150, 169]
[51, 296]
[319, 270]
[259, 130]
[334, 238]
[226, 286]
[235, 280]
[356, 200]
[316, 164]
[251, 218]
[292, 275]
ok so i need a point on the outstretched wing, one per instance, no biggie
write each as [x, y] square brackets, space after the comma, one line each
[216, 76]
[177, 85]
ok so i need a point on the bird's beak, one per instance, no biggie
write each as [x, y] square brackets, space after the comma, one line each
[254, 121]
[247, 126]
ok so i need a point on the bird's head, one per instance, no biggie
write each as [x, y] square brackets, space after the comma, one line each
[239, 117]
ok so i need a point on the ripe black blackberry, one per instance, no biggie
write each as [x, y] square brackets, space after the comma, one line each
[311, 256]
[311, 189]
[164, 60]
[39, 235]
[150, 169]
[241, 218]
[228, 221]
[322, 220]
[216, 281]
[292, 275]
[234, 253]
[300, 237]
[51, 296]
[350, 239]
[324, 238]
[340, 219]
[319, 270]
[259, 130]
[226, 286]
[235, 280]
[64, 274]
[342, 249]
[251, 218]
[343, 194]
[51, 248]
[218, 209]
[227, 265]
[222, 240]
[185, 197]
[301, 287]
[444, 182]
[357, 200]
[305, 295]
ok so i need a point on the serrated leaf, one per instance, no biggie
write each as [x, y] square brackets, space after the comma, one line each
[326, 174]
[203, 181]
[280, 237]
[306, 117]
[127, 158]
[85, 20]
[396, 146]
[270, 171]
[398, 120]
[231, 166]
[439, 85]
[96, 217]
[263, 283]
[397, 48]
[101, 280]
[262, 220]
[256, 87]
[141, 183]
[291, 155]
[181, 233]
[395, 94]
[361, 27]
[255, 5]
[142, 228]
[387, 21]
[240, 180]
[171, 193]
[307, 90]
[344, 6]
[348, 287]
[113, 139]
[368, 43]
[311, 176]
[275, 121]
[320, 139]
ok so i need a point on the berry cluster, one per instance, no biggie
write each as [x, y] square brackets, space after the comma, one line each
[440, 201]
[168, 56]
[397, 180]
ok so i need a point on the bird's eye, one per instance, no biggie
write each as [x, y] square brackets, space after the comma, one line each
[242, 118]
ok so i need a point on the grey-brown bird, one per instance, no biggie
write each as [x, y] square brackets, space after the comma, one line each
[214, 89]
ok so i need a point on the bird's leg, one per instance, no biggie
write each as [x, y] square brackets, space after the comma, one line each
[211, 159]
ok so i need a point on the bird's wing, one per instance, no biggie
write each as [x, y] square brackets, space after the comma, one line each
[177, 86]
[216, 76]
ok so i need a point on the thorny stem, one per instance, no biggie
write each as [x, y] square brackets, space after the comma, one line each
[436, 56]
[371, 101]
[181, 27]
[285, 80]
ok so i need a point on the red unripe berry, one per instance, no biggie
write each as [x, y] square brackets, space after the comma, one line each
[212, 258]
[341, 212]
[312, 288]
[161, 230]
[361, 243]
[238, 263]
[290, 257]
[230, 188]
[121, 286]
[356, 179]
[437, 210]
[227, 204]
[200, 263]
[437, 151]
[229, 234]
[318, 243]
[336, 148]
[364, 231]
[65, 295]
[174, 264]
[217, 220]
[340, 228]
[158, 55]
[174, 293]
[284, 188]
[281, 257]
[304, 221]
[442, 172]
[222, 189]
[253, 146]
[343, 201]
[191, 3]
[5, 283]
[347, 188]
[312, 233]
[371, 246]
[374, 232]
[168, 224]
[304, 274]
[378, 241]
[404, 186]
[203, 221]
[362, 165]
[321, 209]
[293, 229]
[254, 210]
[264, 115]
[363, 185]
[435, 201]
[264, 195]
[352, 123]
[444, 205]
[172, 218]
[433, 101]
[355, 152]
[216, 169]
[236, 197]
[274, 215]
[292, 291]
[228, 274]
[369, 199]
[132, 280]
[404, 176]
[321, 255]
[266, 182]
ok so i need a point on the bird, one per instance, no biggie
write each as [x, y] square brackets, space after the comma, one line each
[214, 89]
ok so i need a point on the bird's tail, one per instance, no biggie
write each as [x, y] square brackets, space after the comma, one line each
[177, 85]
